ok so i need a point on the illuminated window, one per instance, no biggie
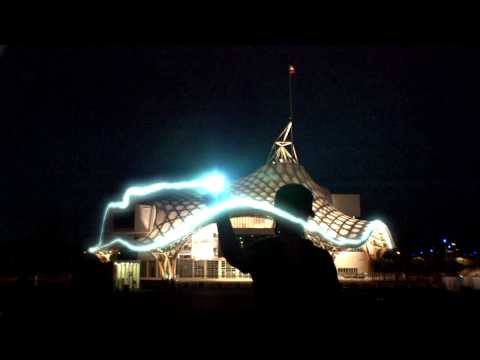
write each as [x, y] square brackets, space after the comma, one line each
[348, 271]
[252, 222]
[199, 269]
[212, 269]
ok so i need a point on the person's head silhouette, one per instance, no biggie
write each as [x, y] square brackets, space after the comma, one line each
[297, 200]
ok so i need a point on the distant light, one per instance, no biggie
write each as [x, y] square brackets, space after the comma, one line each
[449, 246]
[431, 250]
[444, 241]
[421, 252]
[474, 252]
[454, 244]
[397, 252]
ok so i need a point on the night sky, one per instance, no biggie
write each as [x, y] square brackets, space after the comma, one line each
[397, 125]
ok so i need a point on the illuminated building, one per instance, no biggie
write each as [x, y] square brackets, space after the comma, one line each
[198, 258]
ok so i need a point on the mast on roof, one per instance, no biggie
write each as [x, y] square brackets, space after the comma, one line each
[283, 149]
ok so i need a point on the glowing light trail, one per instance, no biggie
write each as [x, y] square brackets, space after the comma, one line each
[208, 214]
[213, 183]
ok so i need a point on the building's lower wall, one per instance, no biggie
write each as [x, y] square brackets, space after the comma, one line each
[208, 270]
[199, 259]
[352, 263]
[349, 265]
[197, 270]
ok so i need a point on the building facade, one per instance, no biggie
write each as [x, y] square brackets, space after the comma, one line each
[198, 256]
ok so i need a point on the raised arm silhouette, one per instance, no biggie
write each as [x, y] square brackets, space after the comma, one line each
[291, 276]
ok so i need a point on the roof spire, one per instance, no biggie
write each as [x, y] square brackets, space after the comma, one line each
[283, 150]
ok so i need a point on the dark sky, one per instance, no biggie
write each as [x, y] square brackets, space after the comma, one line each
[397, 125]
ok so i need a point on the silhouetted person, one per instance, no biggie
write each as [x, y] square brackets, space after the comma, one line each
[292, 277]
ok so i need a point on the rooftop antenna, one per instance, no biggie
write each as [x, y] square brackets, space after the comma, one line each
[283, 150]
[291, 73]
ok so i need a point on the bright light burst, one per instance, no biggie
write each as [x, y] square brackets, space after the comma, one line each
[215, 184]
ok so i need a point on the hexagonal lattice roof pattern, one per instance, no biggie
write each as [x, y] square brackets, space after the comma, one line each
[282, 168]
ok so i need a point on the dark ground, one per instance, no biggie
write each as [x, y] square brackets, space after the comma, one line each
[206, 310]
